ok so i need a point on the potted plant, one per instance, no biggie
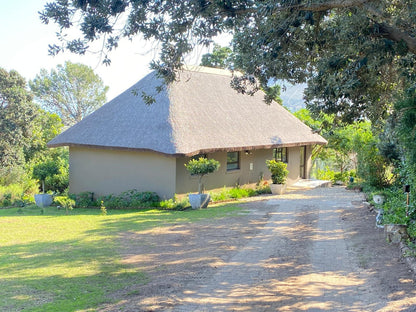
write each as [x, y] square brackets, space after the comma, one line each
[41, 172]
[279, 173]
[201, 167]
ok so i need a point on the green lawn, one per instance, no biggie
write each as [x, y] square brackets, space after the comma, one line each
[50, 261]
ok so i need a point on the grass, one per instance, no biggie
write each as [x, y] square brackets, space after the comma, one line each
[50, 261]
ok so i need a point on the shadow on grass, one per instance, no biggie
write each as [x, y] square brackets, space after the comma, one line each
[61, 276]
[43, 270]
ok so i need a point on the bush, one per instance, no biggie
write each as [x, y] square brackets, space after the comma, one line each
[263, 187]
[278, 170]
[174, 204]
[84, 200]
[53, 173]
[240, 192]
[130, 199]
[17, 194]
[66, 202]
[395, 207]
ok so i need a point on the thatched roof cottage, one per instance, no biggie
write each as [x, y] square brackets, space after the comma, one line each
[127, 144]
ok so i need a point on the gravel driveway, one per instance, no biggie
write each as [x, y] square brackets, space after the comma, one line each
[308, 250]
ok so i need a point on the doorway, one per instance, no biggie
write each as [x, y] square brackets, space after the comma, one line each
[302, 172]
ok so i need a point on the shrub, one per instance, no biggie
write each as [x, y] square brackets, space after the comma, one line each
[16, 194]
[237, 192]
[103, 209]
[52, 174]
[65, 202]
[394, 207]
[174, 204]
[241, 192]
[263, 187]
[130, 199]
[223, 195]
[278, 170]
[84, 200]
[411, 230]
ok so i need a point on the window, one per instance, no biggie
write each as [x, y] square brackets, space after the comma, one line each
[198, 156]
[233, 160]
[280, 154]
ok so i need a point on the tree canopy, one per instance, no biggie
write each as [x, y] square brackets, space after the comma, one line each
[17, 115]
[355, 54]
[73, 91]
[222, 57]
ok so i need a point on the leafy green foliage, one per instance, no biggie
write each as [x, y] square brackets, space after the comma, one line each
[72, 91]
[350, 147]
[52, 171]
[17, 115]
[17, 194]
[356, 55]
[103, 209]
[406, 124]
[174, 204]
[84, 199]
[202, 167]
[131, 199]
[240, 192]
[278, 170]
[66, 202]
[221, 57]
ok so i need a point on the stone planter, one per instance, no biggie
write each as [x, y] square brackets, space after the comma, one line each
[43, 200]
[378, 199]
[278, 189]
[199, 200]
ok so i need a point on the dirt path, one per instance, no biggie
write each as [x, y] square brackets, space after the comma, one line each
[314, 250]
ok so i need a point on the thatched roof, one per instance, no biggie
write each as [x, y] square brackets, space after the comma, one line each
[199, 113]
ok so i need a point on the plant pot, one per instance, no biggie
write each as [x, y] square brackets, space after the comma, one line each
[199, 200]
[43, 200]
[278, 189]
[378, 199]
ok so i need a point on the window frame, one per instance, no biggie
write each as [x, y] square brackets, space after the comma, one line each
[233, 163]
[283, 152]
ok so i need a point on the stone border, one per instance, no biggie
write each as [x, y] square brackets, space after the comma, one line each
[398, 237]
[410, 260]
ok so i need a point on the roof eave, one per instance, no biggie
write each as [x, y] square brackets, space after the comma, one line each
[193, 153]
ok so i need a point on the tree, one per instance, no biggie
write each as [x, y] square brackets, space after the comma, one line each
[221, 57]
[73, 91]
[355, 54]
[52, 171]
[17, 115]
[202, 167]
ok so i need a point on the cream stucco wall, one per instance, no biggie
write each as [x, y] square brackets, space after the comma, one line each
[186, 183]
[104, 171]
